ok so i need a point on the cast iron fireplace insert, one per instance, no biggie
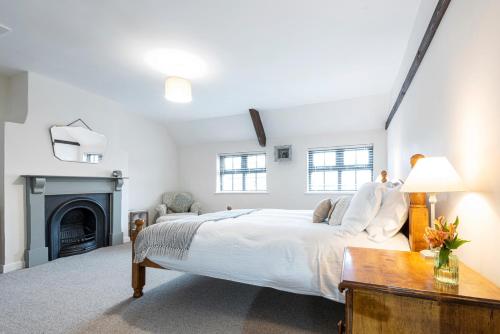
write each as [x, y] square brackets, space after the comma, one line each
[76, 224]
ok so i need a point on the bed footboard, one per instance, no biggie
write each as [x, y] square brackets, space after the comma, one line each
[138, 271]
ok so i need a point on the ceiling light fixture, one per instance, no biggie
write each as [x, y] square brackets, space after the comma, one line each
[172, 62]
[178, 90]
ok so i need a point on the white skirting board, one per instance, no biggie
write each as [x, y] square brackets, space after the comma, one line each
[5, 268]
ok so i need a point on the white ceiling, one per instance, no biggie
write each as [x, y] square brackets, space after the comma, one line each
[260, 53]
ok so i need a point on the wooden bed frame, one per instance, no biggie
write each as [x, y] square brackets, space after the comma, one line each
[418, 220]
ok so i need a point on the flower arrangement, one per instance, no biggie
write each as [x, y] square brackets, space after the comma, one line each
[445, 237]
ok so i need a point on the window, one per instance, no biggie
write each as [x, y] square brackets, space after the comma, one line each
[242, 172]
[339, 168]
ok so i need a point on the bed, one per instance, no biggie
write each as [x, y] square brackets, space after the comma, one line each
[275, 248]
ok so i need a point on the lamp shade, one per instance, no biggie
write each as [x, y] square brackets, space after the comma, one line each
[178, 90]
[433, 175]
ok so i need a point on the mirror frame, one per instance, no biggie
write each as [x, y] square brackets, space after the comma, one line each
[53, 141]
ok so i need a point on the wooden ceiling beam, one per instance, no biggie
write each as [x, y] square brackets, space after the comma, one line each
[259, 128]
[436, 18]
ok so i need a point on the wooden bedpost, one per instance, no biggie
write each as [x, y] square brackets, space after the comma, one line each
[418, 215]
[383, 176]
[138, 271]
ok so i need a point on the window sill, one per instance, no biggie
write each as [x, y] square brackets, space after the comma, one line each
[240, 192]
[338, 192]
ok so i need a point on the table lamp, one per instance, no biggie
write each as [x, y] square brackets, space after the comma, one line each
[433, 175]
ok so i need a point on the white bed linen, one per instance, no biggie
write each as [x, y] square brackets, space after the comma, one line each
[281, 249]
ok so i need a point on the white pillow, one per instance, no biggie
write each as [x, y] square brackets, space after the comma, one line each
[363, 207]
[339, 210]
[391, 217]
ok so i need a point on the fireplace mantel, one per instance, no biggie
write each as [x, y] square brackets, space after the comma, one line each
[39, 186]
[38, 181]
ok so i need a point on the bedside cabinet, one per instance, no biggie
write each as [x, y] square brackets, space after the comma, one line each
[395, 292]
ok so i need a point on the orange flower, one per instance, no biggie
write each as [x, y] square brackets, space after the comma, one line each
[434, 237]
[445, 236]
[452, 231]
[440, 223]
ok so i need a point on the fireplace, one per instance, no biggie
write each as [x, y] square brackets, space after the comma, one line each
[76, 224]
[69, 215]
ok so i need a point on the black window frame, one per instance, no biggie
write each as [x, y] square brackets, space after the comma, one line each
[244, 170]
[340, 167]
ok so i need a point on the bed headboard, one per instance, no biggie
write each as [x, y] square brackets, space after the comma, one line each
[418, 215]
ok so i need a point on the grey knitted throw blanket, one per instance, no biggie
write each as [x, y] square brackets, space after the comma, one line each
[174, 238]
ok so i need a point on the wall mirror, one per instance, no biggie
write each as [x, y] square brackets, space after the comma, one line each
[77, 144]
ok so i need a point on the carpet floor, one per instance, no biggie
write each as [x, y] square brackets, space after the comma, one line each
[91, 293]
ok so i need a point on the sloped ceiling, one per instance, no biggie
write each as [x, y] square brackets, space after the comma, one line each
[359, 114]
[271, 55]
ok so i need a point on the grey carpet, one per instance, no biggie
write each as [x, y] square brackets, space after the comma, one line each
[91, 293]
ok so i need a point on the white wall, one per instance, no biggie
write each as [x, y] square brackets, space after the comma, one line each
[4, 82]
[141, 148]
[286, 181]
[453, 109]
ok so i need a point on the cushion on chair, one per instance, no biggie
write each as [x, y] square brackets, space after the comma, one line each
[195, 208]
[178, 201]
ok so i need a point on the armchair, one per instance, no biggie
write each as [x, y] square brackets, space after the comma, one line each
[176, 205]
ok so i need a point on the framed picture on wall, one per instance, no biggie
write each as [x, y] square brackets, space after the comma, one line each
[283, 153]
[133, 216]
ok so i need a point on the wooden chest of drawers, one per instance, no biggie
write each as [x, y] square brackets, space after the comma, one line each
[395, 292]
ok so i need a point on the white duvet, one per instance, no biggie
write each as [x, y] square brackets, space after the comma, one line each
[281, 249]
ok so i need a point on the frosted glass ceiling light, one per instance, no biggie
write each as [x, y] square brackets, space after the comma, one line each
[178, 63]
[178, 90]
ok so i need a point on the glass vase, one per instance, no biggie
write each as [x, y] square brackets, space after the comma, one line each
[448, 273]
